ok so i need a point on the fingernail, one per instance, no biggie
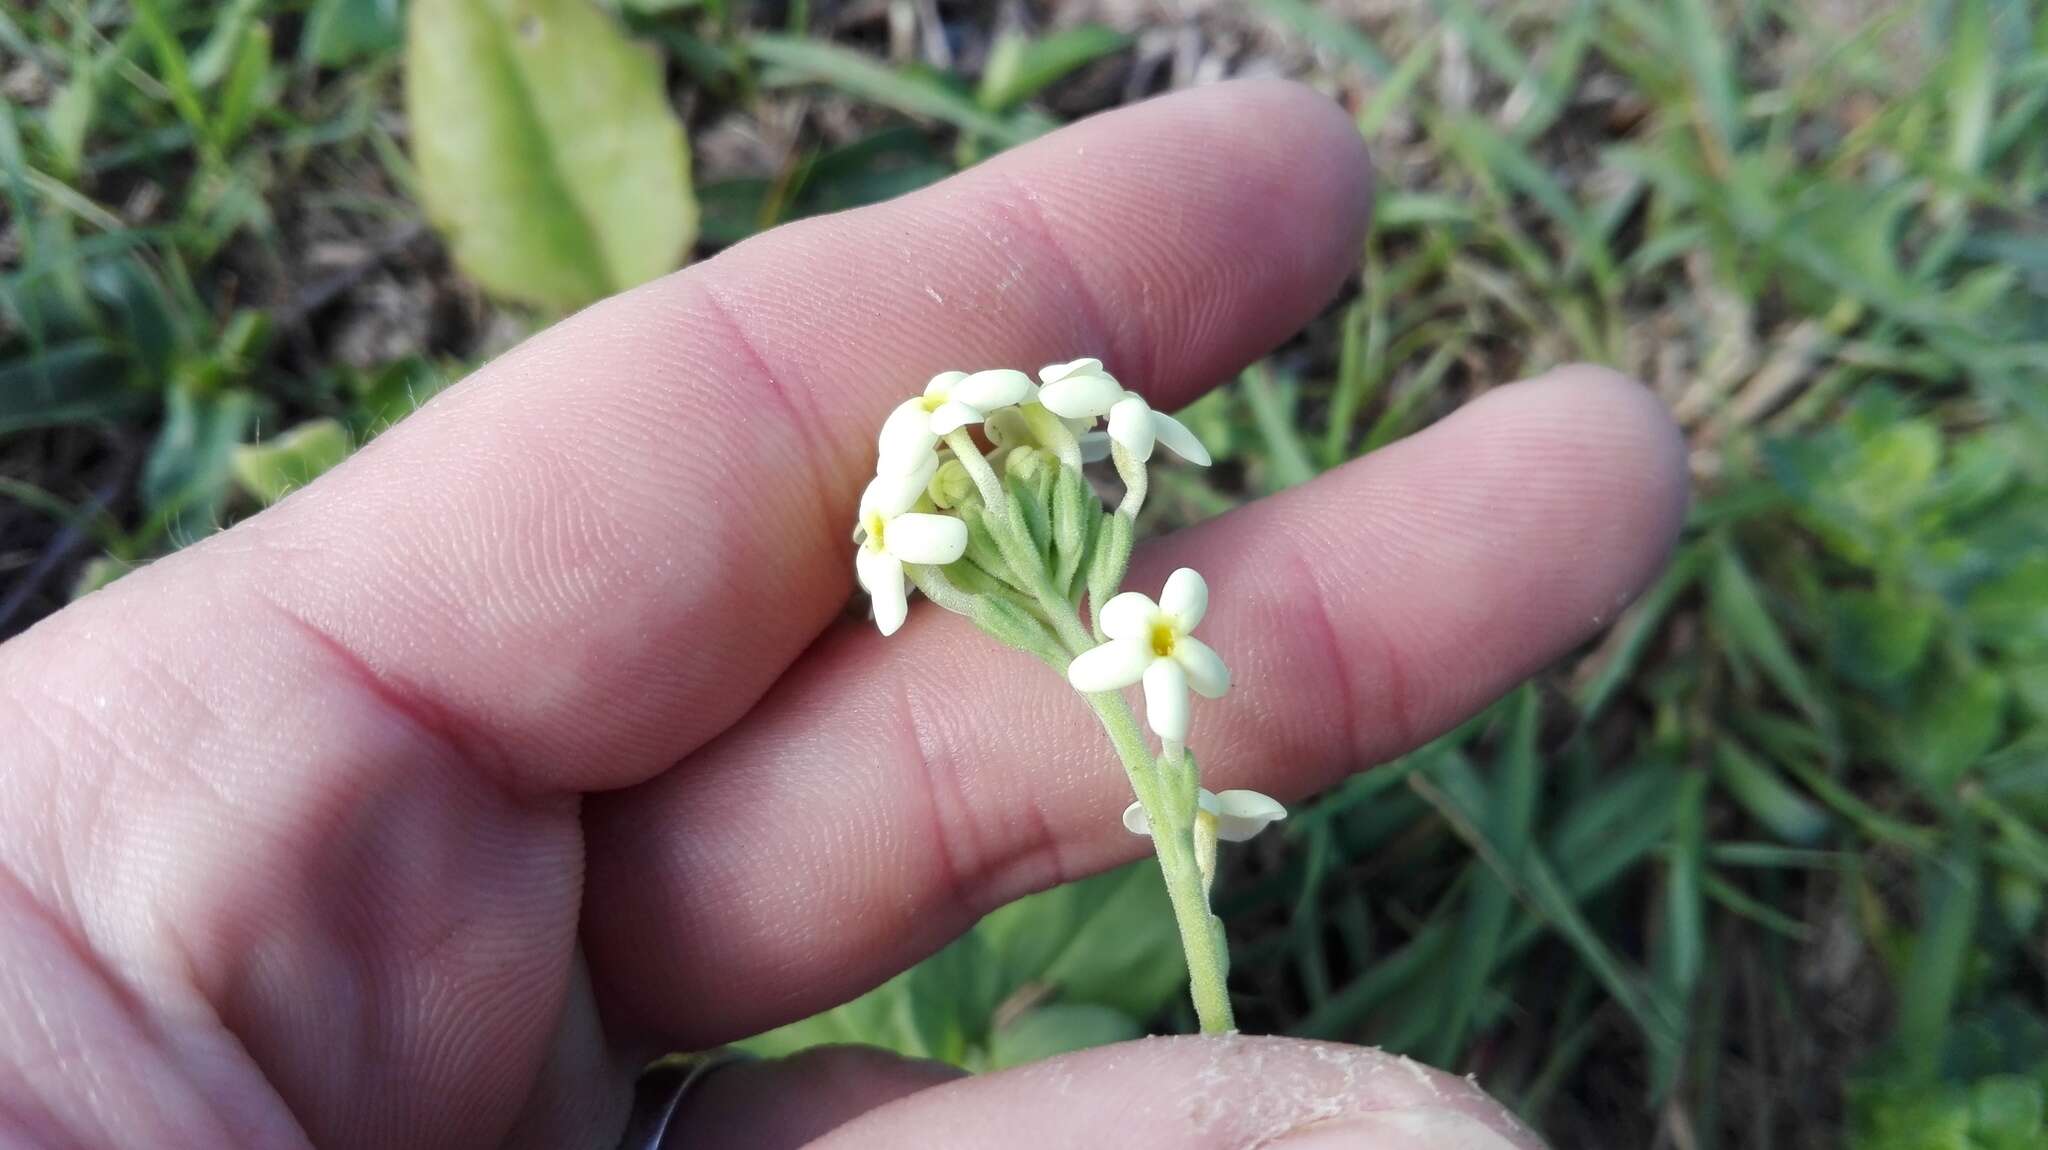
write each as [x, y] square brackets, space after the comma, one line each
[1403, 1130]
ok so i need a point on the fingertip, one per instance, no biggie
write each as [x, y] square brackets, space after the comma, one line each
[1320, 140]
[1214, 1090]
[1612, 438]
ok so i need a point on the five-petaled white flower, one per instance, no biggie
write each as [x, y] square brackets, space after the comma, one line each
[952, 400]
[1149, 643]
[1239, 814]
[1082, 390]
[893, 534]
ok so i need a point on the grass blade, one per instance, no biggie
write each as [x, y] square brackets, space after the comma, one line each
[1488, 901]
[810, 61]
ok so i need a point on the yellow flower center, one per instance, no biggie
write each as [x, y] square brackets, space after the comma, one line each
[874, 524]
[932, 403]
[1162, 639]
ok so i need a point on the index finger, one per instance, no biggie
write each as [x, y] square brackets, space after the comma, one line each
[598, 551]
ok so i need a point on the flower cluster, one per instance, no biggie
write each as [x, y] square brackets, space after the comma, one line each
[1003, 526]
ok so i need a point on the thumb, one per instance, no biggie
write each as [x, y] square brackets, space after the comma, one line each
[1222, 1092]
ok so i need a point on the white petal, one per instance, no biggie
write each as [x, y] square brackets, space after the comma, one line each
[1242, 814]
[1206, 672]
[953, 415]
[1081, 396]
[1130, 423]
[892, 495]
[906, 439]
[989, 390]
[1178, 439]
[1054, 372]
[1094, 446]
[942, 384]
[1111, 667]
[1166, 700]
[917, 538]
[882, 576]
[1129, 616]
[1135, 820]
[1185, 597]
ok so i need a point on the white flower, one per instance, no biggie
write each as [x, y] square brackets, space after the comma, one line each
[1149, 643]
[1134, 424]
[1239, 814]
[1082, 390]
[952, 400]
[892, 535]
[1078, 389]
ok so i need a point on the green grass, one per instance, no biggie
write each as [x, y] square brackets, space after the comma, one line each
[1764, 866]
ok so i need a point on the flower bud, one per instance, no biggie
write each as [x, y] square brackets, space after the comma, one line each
[951, 485]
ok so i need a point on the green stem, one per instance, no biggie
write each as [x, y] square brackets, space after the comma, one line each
[939, 589]
[1052, 431]
[977, 467]
[1166, 788]
[1201, 935]
[969, 454]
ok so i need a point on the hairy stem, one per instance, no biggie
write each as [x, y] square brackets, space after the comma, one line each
[969, 454]
[1173, 840]
[1137, 481]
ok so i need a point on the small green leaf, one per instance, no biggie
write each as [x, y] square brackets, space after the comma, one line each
[1891, 470]
[1075, 511]
[547, 149]
[1767, 796]
[1108, 940]
[1020, 67]
[2010, 612]
[1940, 955]
[1109, 560]
[1738, 610]
[70, 383]
[2006, 1112]
[185, 480]
[1876, 638]
[1013, 626]
[269, 471]
[1061, 1028]
[1950, 725]
[342, 32]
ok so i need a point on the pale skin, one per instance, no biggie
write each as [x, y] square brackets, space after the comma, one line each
[419, 809]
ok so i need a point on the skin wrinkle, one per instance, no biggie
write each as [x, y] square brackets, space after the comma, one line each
[940, 788]
[22, 911]
[791, 398]
[1329, 642]
[466, 743]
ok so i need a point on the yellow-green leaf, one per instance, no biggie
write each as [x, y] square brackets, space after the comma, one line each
[269, 471]
[548, 152]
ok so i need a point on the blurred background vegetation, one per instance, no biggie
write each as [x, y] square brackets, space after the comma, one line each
[1763, 866]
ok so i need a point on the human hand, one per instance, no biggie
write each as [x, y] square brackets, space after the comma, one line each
[419, 809]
